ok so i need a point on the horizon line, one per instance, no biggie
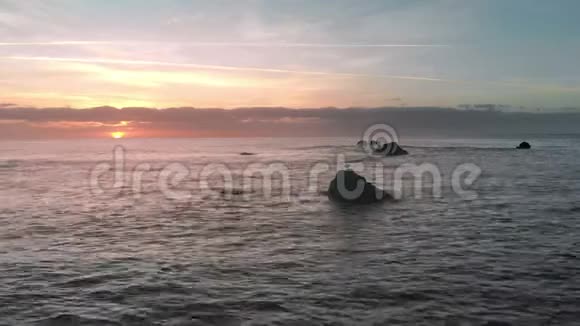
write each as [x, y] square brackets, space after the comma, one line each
[514, 109]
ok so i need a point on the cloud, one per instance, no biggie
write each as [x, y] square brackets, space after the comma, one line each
[183, 65]
[55, 43]
[21, 122]
[216, 67]
[156, 78]
[439, 52]
[227, 44]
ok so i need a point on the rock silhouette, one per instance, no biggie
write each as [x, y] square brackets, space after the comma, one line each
[524, 145]
[349, 187]
[388, 149]
[391, 149]
[373, 144]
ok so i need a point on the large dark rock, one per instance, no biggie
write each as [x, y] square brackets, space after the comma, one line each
[524, 145]
[349, 187]
[391, 149]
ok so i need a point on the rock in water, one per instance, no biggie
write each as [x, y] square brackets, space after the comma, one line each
[391, 149]
[387, 149]
[373, 144]
[349, 187]
[524, 145]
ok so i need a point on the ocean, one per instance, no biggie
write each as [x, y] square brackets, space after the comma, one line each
[191, 232]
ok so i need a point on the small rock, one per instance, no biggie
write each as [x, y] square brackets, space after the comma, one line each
[524, 145]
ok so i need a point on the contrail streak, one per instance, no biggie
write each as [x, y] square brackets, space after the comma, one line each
[226, 44]
[285, 71]
[217, 67]
[56, 43]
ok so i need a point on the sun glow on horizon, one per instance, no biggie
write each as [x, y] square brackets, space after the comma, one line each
[118, 134]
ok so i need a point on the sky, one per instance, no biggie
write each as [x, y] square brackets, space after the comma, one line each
[281, 53]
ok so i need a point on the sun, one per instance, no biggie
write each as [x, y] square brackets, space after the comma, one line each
[118, 134]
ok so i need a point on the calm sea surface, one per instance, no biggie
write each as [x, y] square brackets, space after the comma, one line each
[163, 241]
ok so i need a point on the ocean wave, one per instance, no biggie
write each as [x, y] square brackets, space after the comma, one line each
[460, 148]
[321, 147]
[570, 209]
[76, 320]
[379, 293]
[9, 164]
[75, 259]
